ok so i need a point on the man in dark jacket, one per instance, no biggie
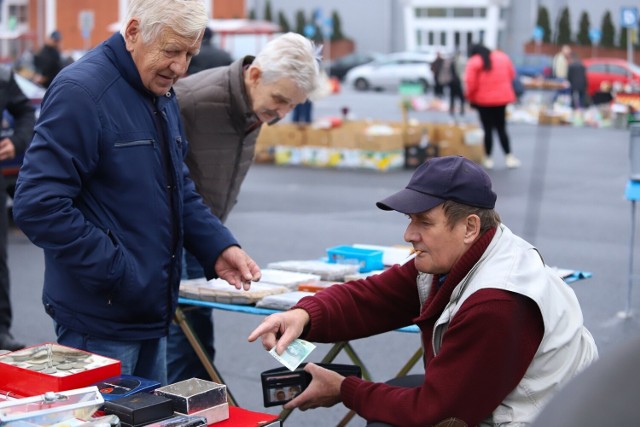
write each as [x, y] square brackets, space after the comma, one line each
[13, 141]
[577, 77]
[210, 55]
[105, 192]
[223, 109]
[47, 61]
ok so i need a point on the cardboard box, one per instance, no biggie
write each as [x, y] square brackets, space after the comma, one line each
[318, 137]
[54, 370]
[347, 134]
[453, 135]
[291, 135]
[382, 142]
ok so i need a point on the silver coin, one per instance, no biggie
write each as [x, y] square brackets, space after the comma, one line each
[79, 365]
[49, 371]
[65, 366]
[21, 357]
[36, 367]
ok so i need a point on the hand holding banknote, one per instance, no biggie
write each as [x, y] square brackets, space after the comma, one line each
[280, 329]
[294, 354]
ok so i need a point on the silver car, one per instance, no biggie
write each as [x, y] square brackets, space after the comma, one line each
[389, 71]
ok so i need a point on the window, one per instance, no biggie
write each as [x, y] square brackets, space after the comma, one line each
[463, 12]
[616, 69]
[19, 12]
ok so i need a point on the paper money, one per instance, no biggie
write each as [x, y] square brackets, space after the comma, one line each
[293, 355]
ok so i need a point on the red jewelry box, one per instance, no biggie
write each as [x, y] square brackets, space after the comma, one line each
[53, 367]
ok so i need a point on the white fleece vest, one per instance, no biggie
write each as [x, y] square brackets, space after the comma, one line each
[567, 347]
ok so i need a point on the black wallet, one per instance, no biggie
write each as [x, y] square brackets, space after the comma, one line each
[280, 385]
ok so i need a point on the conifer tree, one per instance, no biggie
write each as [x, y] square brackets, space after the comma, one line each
[268, 16]
[583, 31]
[337, 26]
[283, 22]
[563, 33]
[544, 23]
[608, 31]
[300, 22]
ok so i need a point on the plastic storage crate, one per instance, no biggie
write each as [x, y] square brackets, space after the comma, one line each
[366, 259]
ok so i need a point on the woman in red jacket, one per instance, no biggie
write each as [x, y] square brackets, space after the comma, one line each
[488, 77]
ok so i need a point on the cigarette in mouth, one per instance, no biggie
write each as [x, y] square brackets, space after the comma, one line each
[414, 252]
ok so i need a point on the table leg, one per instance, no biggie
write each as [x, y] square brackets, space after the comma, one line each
[182, 321]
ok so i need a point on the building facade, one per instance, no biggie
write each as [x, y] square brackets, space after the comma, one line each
[394, 25]
[387, 25]
[24, 24]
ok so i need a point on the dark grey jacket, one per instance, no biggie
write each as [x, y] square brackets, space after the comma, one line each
[221, 130]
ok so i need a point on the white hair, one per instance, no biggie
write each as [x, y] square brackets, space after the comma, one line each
[290, 56]
[187, 18]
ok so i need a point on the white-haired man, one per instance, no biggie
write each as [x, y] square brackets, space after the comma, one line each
[223, 109]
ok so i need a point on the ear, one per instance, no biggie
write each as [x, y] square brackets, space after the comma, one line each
[132, 33]
[254, 74]
[472, 228]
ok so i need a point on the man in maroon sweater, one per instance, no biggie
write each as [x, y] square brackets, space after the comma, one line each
[501, 331]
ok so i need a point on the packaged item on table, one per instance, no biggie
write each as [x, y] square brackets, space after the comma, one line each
[218, 290]
[325, 270]
[317, 286]
[282, 301]
[180, 421]
[53, 367]
[198, 397]
[51, 407]
[140, 409]
[125, 385]
[289, 279]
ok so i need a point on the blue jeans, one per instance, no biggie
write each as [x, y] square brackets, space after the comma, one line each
[182, 361]
[145, 358]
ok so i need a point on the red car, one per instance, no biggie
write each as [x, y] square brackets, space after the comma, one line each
[610, 70]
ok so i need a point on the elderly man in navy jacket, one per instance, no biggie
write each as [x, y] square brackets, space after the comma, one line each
[105, 192]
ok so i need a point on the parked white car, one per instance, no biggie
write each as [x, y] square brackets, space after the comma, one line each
[390, 70]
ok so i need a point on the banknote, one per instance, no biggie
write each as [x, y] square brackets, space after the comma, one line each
[293, 355]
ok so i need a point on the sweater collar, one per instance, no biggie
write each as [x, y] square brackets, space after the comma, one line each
[439, 295]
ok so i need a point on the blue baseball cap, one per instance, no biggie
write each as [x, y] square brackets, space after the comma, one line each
[440, 179]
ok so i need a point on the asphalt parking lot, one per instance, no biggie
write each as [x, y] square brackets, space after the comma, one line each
[567, 199]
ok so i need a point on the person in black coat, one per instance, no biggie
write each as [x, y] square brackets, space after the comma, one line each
[577, 77]
[13, 140]
[210, 56]
[48, 61]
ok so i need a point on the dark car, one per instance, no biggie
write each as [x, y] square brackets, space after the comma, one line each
[11, 167]
[340, 66]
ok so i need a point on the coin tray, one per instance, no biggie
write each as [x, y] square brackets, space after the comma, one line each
[53, 367]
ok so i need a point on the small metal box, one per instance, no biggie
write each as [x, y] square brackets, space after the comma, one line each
[194, 395]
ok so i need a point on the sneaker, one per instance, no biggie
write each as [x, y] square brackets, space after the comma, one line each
[487, 163]
[8, 343]
[511, 161]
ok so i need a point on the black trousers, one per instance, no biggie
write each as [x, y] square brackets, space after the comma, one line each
[5, 296]
[494, 118]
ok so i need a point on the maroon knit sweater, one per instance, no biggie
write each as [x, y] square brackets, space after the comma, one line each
[485, 351]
